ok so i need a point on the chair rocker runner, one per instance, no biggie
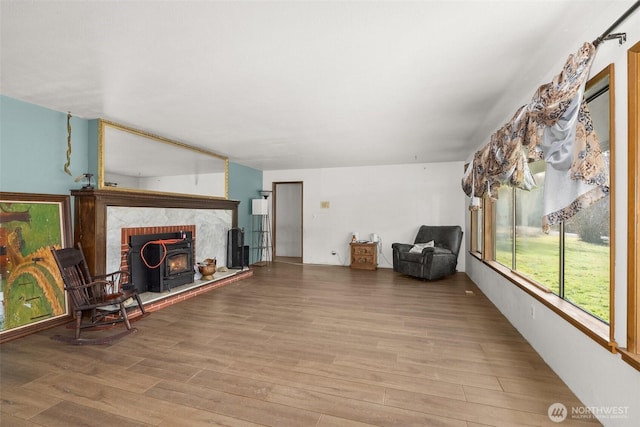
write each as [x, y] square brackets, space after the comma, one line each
[103, 297]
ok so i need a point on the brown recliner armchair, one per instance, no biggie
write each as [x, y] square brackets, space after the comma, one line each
[428, 260]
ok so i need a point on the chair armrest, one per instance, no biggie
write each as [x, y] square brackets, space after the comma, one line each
[76, 287]
[117, 279]
[441, 251]
[97, 287]
[104, 288]
[401, 247]
[112, 276]
[437, 252]
[429, 250]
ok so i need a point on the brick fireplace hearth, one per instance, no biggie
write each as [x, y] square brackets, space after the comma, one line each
[153, 302]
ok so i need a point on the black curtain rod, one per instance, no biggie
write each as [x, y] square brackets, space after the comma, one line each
[624, 16]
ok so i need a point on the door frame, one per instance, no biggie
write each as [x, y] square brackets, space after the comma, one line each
[274, 189]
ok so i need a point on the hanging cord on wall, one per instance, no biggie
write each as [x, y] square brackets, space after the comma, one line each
[66, 165]
[163, 243]
[622, 37]
[382, 253]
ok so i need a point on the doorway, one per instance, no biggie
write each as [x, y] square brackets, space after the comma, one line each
[287, 219]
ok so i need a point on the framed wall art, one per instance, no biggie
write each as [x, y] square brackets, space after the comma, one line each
[32, 295]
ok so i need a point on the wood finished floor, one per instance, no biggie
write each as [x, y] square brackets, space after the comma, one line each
[296, 346]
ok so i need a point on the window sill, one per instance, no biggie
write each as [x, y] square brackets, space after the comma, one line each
[592, 327]
[631, 358]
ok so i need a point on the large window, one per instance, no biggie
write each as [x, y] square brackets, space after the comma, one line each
[572, 260]
[583, 247]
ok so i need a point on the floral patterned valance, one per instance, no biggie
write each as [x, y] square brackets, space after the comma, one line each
[555, 126]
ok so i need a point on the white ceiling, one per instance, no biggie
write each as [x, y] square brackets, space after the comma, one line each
[287, 85]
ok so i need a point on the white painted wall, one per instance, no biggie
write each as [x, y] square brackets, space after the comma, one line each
[600, 379]
[391, 201]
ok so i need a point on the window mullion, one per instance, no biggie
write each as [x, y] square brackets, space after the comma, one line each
[561, 261]
[513, 228]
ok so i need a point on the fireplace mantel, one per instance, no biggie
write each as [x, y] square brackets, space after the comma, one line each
[90, 215]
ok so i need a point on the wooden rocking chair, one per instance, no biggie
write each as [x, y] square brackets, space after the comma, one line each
[102, 296]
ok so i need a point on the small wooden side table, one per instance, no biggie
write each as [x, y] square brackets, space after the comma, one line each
[364, 255]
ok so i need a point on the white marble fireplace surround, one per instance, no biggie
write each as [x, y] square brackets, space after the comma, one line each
[211, 229]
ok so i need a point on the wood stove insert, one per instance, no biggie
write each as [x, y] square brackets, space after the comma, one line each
[161, 261]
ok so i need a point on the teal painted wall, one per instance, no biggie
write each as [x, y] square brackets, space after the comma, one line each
[244, 184]
[33, 148]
